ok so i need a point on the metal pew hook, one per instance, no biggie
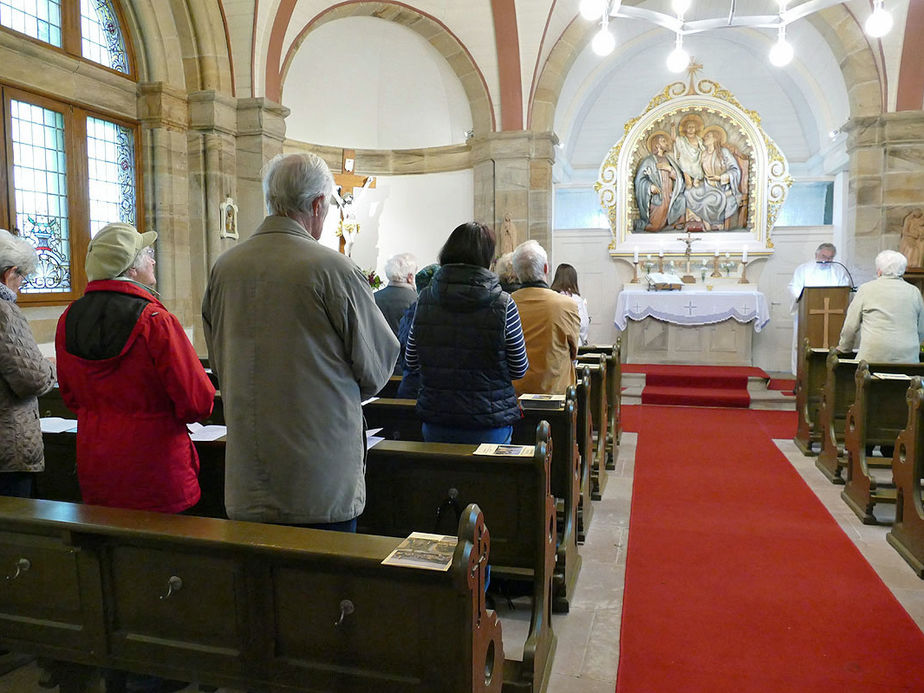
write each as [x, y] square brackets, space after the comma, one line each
[346, 608]
[174, 585]
[22, 565]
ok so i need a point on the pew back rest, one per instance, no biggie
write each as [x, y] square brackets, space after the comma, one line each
[243, 604]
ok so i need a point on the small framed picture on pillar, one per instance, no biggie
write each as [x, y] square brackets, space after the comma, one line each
[228, 219]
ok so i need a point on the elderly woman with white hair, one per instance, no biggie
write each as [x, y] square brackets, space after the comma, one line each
[400, 293]
[24, 374]
[888, 314]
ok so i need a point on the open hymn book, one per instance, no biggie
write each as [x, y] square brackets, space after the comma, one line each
[422, 550]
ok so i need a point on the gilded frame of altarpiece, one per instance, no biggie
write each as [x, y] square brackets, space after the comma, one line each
[759, 188]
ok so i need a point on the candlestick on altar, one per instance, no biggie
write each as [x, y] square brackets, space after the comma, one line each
[634, 279]
[744, 267]
[715, 267]
[661, 262]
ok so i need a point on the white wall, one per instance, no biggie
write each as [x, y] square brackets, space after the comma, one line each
[406, 214]
[366, 83]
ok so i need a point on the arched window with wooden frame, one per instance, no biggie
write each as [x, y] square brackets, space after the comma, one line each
[66, 169]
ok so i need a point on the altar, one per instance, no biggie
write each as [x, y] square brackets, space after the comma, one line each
[694, 325]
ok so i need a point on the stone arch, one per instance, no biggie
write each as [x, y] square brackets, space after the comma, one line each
[435, 32]
[862, 68]
[157, 28]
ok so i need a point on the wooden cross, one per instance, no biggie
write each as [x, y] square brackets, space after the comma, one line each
[826, 312]
[348, 182]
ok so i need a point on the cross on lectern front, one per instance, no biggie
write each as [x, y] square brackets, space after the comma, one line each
[822, 310]
[827, 312]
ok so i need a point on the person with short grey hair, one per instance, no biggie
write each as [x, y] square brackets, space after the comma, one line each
[294, 184]
[888, 315]
[503, 268]
[551, 325]
[297, 342]
[24, 374]
[400, 293]
[530, 262]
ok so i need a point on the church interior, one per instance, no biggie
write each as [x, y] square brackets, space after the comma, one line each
[533, 117]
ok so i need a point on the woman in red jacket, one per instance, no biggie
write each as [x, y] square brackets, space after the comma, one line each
[127, 368]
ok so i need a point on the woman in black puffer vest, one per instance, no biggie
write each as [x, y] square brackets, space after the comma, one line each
[467, 342]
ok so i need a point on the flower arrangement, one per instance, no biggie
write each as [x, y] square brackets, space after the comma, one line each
[348, 228]
[375, 281]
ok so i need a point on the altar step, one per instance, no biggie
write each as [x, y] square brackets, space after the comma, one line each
[680, 385]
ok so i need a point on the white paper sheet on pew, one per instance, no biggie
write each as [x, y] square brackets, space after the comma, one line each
[367, 401]
[55, 424]
[199, 432]
[371, 439]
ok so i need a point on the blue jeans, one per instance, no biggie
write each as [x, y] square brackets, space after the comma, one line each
[434, 433]
[343, 526]
[17, 484]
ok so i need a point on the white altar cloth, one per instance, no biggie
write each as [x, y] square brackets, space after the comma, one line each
[692, 306]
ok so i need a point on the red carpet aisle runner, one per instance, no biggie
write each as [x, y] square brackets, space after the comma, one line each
[738, 579]
[699, 386]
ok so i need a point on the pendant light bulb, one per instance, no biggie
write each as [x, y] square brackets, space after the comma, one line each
[678, 59]
[592, 10]
[680, 7]
[603, 43]
[879, 23]
[782, 52]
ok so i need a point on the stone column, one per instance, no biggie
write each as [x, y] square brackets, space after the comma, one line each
[886, 180]
[164, 115]
[261, 130]
[212, 172]
[513, 175]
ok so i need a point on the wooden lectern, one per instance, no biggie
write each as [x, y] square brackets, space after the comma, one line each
[822, 310]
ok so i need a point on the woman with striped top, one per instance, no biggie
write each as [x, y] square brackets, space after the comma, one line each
[467, 343]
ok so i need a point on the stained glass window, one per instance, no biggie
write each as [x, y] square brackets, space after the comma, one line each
[40, 190]
[40, 19]
[111, 172]
[100, 35]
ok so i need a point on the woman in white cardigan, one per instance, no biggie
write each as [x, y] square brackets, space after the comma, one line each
[566, 282]
[888, 313]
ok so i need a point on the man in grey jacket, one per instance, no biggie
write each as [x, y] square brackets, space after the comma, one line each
[297, 342]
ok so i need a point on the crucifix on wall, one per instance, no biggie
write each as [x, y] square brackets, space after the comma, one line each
[348, 182]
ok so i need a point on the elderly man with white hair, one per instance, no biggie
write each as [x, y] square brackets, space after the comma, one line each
[400, 293]
[298, 343]
[551, 324]
[888, 314]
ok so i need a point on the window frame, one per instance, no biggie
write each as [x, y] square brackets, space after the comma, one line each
[71, 39]
[78, 189]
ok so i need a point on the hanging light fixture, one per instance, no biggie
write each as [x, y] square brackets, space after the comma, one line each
[603, 42]
[678, 59]
[879, 23]
[592, 10]
[781, 53]
[680, 7]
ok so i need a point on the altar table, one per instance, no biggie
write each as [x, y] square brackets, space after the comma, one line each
[693, 325]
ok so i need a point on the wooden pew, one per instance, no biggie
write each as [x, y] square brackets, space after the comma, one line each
[837, 395]
[242, 605]
[390, 388]
[59, 479]
[878, 414]
[420, 486]
[503, 485]
[810, 381]
[595, 364]
[565, 484]
[613, 355]
[907, 533]
[398, 420]
[585, 450]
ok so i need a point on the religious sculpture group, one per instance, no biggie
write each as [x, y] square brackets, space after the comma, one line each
[691, 178]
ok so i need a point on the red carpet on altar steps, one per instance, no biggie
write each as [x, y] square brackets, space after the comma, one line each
[737, 577]
[697, 386]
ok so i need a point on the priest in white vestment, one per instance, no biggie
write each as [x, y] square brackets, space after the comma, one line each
[822, 272]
